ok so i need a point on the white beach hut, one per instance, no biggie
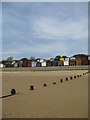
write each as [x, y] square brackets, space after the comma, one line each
[43, 63]
[1, 65]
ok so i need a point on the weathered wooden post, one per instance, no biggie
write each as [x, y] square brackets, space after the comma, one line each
[61, 80]
[13, 91]
[74, 76]
[31, 87]
[44, 85]
[54, 82]
[71, 78]
[66, 79]
[77, 75]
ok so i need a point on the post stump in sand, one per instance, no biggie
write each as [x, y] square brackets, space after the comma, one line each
[13, 91]
[31, 87]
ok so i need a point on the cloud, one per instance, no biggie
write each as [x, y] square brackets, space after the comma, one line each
[44, 29]
[59, 29]
[42, 50]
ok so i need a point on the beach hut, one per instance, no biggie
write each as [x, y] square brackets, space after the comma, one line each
[16, 64]
[66, 62]
[1, 65]
[20, 63]
[60, 63]
[25, 64]
[72, 62]
[62, 59]
[54, 63]
[48, 63]
[81, 59]
[29, 63]
[43, 63]
[38, 64]
[33, 64]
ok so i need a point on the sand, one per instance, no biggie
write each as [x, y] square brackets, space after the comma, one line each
[0, 95]
[68, 99]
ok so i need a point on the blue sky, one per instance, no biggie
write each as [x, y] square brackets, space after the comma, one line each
[44, 29]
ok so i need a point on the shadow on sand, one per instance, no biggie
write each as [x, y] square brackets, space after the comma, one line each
[5, 96]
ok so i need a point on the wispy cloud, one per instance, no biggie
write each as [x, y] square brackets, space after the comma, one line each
[44, 29]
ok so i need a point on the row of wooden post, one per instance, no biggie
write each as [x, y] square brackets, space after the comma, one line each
[13, 91]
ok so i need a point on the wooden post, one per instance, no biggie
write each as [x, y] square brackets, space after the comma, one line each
[61, 80]
[13, 91]
[54, 82]
[77, 75]
[66, 79]
[44, 85]
[32, 87]
[71, 78]
[74, 76]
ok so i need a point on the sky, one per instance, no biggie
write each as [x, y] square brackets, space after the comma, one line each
[44, 29]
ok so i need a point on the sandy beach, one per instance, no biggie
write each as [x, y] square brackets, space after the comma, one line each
[68, 99]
